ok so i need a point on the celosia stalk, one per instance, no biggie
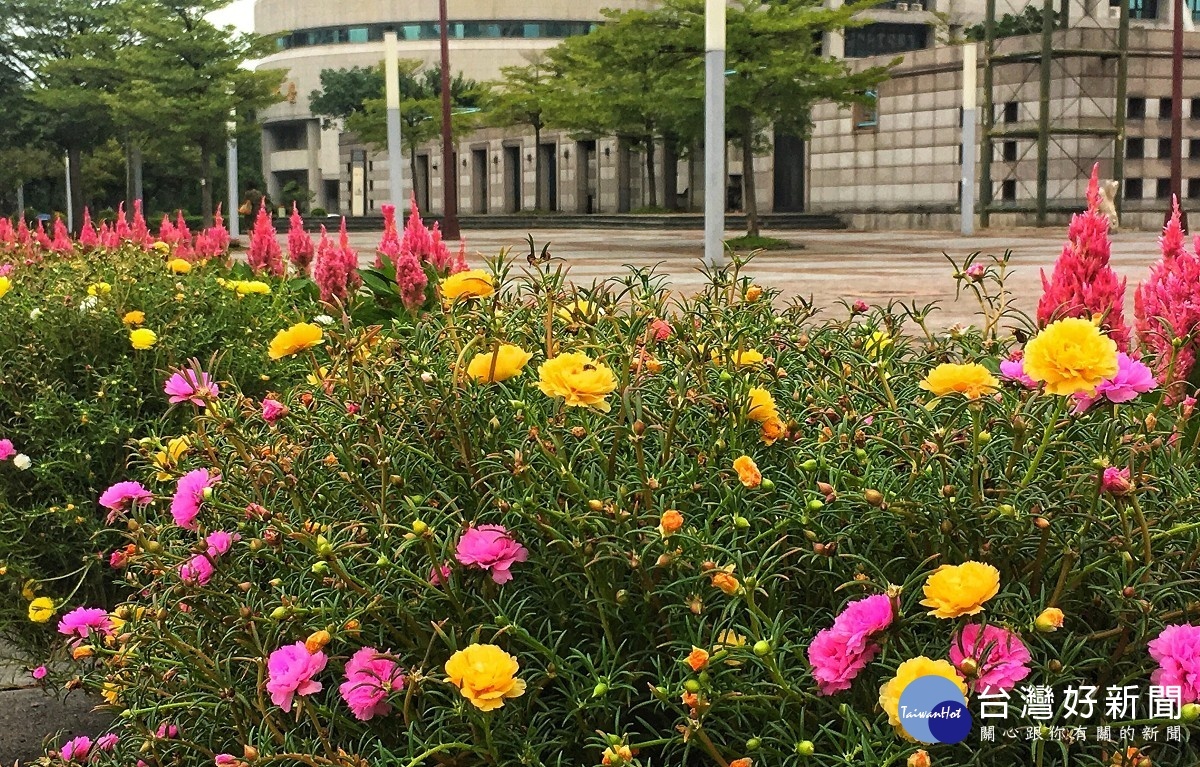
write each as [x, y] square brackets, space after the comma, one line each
[1083, 284]
[329, 269]
[139, 231]
[264, 254]
[88, 238]
[1167, 309]
[62, 243]
[300, 244]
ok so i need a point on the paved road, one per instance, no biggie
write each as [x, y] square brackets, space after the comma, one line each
[28, 715]
[873, 266]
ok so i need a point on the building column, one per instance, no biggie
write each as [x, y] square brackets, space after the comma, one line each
[268, 154]
[624, 192]
[835, 42]
[316, 183]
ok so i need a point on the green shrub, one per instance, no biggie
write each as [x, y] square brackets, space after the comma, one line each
[317, 213]
[347, 507]
[73, 393]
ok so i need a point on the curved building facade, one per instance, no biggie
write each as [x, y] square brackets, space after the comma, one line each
[313, 35]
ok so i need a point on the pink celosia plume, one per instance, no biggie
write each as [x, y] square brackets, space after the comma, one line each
[299, 242]
[264, 253]
[1083, 284]
[88, 239]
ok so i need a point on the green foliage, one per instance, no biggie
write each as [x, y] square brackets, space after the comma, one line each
[347, 504]
[344, 92]
[748, 244]
[1027, 22]
[73, 394]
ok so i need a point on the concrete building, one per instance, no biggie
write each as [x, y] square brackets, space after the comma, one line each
[313, 35]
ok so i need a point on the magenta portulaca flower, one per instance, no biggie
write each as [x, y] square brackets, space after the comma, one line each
[1001, 656]
[123, 497]
[371, 677]
[837, 654]
[273, 410]
[290, 672]
[1177, 650]
[491, 548]
[1132, 378]
[189, 494]
[191, 385]
[82, 621]
[6, 449]
[76, 749]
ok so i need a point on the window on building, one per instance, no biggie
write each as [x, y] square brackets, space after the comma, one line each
[1012, 111]
[1164, 148]
[1162, 188]
[882, 38]
[1135, 108]
[1009, 151]
[1195, 109]
[1193, 189]
[1164, 108]
[1143, 9]
[1133, 189]
[866, 114]
[357, 35]
[1008, 189]
[1194, 148]
[1135, 148]
[289, 136]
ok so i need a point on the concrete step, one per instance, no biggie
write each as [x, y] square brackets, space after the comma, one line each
[532, 221]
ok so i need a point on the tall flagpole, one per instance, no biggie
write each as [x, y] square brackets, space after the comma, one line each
[714, 132]
[449, 171]
[391, 81]
[969, 117]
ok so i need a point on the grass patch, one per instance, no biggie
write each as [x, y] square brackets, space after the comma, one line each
[746, 243]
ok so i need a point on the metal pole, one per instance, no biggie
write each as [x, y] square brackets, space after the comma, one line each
[391, 55]
[449, 169]
[1177, 112]
[989, 117]
[1121, 108]
[969, 116]
[714, 133]
[1043, 161]
[70, 210]
[231, 172]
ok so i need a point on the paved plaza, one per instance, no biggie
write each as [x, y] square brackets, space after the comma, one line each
[873, 266]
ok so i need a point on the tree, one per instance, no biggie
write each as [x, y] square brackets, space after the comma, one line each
[184, 79]
[345, 92]
[523, 98]
[779, 73]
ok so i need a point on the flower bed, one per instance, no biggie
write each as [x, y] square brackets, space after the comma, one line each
[543, 526]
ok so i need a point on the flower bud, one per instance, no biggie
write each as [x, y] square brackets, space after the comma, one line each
[741, 523]
[600, 688]
[919, 758]
[250, 753]
[279, 613]
[207, 493]
[692, 686]
[969, 667]
[806, 748]
[316, 641]
[873, 497]
[1190, 713]
[419, 527]
[767, 484]
[815, 505]
[320, 568]
[762, 648]
[753, 744]
[1050, 619]
[324, 547]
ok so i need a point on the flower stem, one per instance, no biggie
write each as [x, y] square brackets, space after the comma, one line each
[1059, 407]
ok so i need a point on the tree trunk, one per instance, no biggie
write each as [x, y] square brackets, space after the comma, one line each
[75, 158]
[651, 172]
[749, 200]
[206, 186]
[537, 167]
[670, 174]
[133, 172]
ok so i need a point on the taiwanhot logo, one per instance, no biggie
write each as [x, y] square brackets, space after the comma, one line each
[933, 710]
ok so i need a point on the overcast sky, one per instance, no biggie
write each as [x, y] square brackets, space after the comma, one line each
[239, 13]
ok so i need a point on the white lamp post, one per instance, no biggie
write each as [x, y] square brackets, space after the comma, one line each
[392, 87]
[969, 116]
[231, 171]
[714, 132]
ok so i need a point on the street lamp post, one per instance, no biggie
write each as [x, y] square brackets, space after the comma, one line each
[231, 173]
[1177, 110]
[392, 88]
[714, 132]
[967, 199]
[449, 170]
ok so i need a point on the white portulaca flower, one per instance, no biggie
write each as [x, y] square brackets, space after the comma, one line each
[88, 304]
[33, 315]
[22, 461]
[323, 319]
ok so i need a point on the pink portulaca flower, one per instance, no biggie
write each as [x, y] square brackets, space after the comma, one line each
[491, 548]
[191, 385]
[108, 741]
[837, 654]
[76, 749]
[1116, 481]
[290, 672]
[1177, 650]
[370, 678]
[39, 673]
[6, 449]
[225, 760]
[123, 497]
[1132, 378]
[1013, 369]
[220, 542]
[660, 330]
[166, 730]
[273, 410]
[197, 571]
[189, 494]
[1002, 658]
[82, 621]
[440, 573]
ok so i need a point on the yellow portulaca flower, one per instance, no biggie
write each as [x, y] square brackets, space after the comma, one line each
[762, 406]
[877, 343]
[134, 318]
[179, 266]
[578, 380]
[890, 692]
[475, 283]
[506, 362]
[485, 675]
[99, 289]
[143, 338]
[41, 610]
[1071, 356]
[581, 310]
[297, 338]
[246, 287]
[740, 358]
[956, 590]
[165, 460]
[971, 380]
[5, 286]
[162, 247]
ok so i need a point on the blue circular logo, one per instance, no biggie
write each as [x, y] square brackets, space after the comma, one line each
[933, 710]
